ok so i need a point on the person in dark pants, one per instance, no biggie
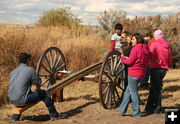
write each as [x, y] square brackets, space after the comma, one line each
[149, 38]
[19, 92]
[160, 60]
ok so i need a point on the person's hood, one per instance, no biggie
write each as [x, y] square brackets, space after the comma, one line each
[158, 34]
[144, 47]
[163, 43]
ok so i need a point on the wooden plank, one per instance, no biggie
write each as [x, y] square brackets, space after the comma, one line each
[20, 109]
[67, 81]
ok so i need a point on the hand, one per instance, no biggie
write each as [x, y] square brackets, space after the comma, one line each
[37, 88]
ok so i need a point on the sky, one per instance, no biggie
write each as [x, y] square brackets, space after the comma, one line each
[28, 11]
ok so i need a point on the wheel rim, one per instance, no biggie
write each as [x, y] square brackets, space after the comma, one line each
[49, 64]
[112, 80]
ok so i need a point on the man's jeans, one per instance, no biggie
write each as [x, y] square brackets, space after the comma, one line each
[35, 97]
[154, 99]
[131, 93]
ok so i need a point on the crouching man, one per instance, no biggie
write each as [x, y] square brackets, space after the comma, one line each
[19, 92]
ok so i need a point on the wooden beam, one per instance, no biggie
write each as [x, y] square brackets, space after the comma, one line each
[67, 81]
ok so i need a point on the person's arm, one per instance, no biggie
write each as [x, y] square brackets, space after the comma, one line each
[113, 39]
[152, 50]
[112, 45]
[170, 58]
[35, 79]
[131, 59]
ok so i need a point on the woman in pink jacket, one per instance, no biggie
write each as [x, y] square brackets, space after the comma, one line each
[137, 62]
[160, 60]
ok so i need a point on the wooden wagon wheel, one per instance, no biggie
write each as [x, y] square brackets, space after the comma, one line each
[112, 80]
[49, 64]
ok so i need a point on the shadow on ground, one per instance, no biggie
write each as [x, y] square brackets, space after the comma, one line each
[171, 88]
[87, 97]
[171, 80]
[69, 113]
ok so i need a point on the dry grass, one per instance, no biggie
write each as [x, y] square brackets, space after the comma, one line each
[77, 44]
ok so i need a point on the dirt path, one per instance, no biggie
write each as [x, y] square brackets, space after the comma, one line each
[95, 114]
[83, 107]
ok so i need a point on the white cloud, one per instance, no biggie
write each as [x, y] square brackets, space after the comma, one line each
[2, 12]
[99, 6]
[75, 8]
[136, 7]
[20, 11]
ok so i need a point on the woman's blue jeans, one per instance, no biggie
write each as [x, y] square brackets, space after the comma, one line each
[154, 99]
[131, 92]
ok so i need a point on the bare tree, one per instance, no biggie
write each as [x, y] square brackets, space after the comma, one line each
[108, 20]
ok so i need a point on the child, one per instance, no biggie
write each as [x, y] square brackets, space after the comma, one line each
[137, 62]
[116, 39]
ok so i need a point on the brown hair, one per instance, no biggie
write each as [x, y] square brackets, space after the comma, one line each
[139, 38]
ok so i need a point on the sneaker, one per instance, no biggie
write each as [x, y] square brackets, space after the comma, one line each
[57, 116]
[159, 112]
[148, 111]
[136, 116]
[141, 102]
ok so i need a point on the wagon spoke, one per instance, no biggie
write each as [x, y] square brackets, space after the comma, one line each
[107, 96]
[50, 83]
[57, 63]
[108, 76]
[45, 82]
[47, 62]
[59, 68]
[110, 96]
[115, 61]
[51, 63]
[114, 98]
[105, 89]
[105, 82]
[118, 65]
[119, 87]
[55, 56]
[112, 69]
[116, 93]
[44, 76]
[120, 70]
[46, 69]
[109, 69]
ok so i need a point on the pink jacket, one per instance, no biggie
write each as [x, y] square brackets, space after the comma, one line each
[161, 56]
[137, 61]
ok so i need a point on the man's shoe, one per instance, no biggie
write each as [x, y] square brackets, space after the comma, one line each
[160, 112]
[58, 116]
[148, 111]
[141, 102]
